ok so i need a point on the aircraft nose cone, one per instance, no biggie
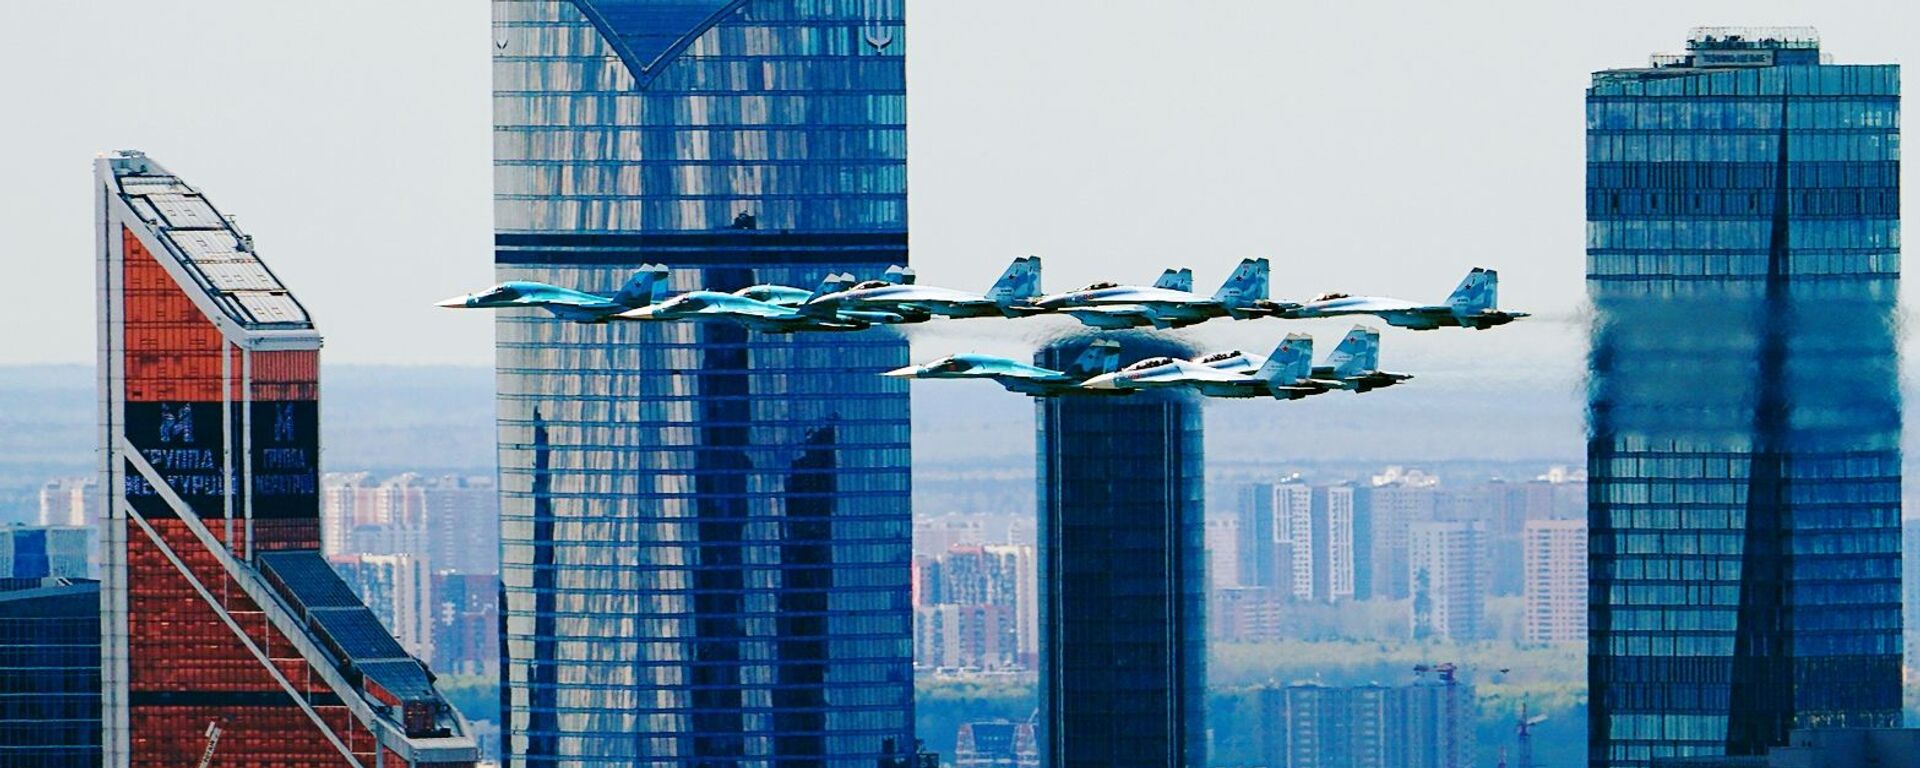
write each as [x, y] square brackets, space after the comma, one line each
[1103, 381]
[903, 373]
[456, 302]
[643, 313]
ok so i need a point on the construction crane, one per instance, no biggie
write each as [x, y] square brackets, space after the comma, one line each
[213, 740]
[1448, 672]
[1523, 735]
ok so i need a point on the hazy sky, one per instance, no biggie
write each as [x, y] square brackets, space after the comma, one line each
[1378, 148]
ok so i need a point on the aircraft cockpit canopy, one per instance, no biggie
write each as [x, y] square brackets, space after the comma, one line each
[869, 284]
[1219, 356]
[1100, 285]
[950, 365]
[1332, 295]
[1151, 362]
[501, 293]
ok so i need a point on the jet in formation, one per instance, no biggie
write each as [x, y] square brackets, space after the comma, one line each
[842, 303]
[900, 295]
[1287, 374]
[1102, 356]
[1472, 305]
[777, 313]
[566, 303]
[1169, 303]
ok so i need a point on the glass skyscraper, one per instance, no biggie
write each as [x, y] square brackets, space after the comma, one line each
[49, 672]
[1122, 572]
[705, 531]
[1744, 419]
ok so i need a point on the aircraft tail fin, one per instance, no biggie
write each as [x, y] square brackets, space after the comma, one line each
[1480, 290]
[1358, 354]
[1100, 356]
[1246, 285]
[1175, 280]
[1290, 363]
[645, 286]
[1020, 281]
[832, 283]
[899, 274]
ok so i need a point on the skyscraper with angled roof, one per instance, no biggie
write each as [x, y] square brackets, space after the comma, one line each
[705, 531]
[223, 631]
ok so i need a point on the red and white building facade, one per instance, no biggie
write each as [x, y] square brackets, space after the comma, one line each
[224, 631]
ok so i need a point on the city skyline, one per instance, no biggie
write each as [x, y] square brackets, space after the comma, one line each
[719, 543]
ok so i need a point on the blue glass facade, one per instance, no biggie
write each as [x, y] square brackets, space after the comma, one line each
[705, 531]
[1744, 418]
[49, 673]
[1122, 572]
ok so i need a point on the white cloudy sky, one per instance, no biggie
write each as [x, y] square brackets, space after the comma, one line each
[1374, 147]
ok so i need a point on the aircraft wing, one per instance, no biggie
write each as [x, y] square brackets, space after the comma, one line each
[1247, 386]
[1116, 316]
[753, 309]
[1189, 374]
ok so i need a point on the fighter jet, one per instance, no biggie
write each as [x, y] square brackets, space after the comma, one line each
[789, 296]
[898, 294]
[1169, 303]
[1101, 356]
[1353, 365]
[566, 303]
[1285, 375]
[1472, 305]
[768, 317]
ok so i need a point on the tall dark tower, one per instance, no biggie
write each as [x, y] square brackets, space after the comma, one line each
[1122, 570]
[1744, 414]
[705, 531]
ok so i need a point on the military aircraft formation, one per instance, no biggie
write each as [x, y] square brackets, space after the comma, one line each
[843, 303]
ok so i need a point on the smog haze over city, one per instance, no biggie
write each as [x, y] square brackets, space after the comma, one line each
[712, 541]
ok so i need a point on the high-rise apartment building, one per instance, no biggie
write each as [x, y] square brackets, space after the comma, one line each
[463, 516]
[1555, 596]
[1427, 724]
[1447, 578]
[43, 551]
[1293, 539]
[1122, 573]
[1743, 259]
[451, 521]
[218, 613]
[399, 591]
[1255, 543]
[49, 673]
[466, 628]
[1335, 557]
[704, 529]
[1226, 553]
[1319, 726]
[71, 501]
[1394, 502]
[967, 636]
[976, 607]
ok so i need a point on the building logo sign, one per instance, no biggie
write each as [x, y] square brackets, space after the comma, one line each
[1760, 58]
